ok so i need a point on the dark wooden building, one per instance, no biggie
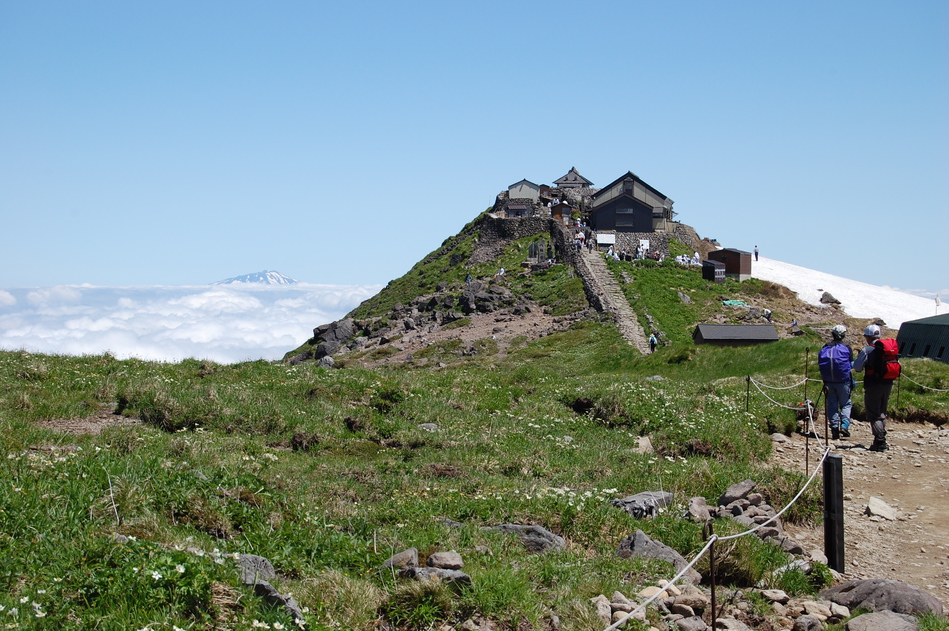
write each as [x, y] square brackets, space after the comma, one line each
[630, 205]
[573, 179]
[713, 271]
[926, 337]
[737, 262]
[734, 334]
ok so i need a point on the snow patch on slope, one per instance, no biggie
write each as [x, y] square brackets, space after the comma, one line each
[858, 300]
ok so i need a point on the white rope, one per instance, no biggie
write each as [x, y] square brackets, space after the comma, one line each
[789, 504]
[712, 539]
[796, 385]
[922, 386]
[655, 596]
[765, 395]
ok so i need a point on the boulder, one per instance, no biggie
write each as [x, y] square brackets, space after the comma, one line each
[883, 621]
[641, 546]
[404, 559]
[645, 504]
[876, 506]
[536, 539]
[435, 574]
[255, 568]
[445, 560]
[692, 623]
[274, 598]
[879, 594]
[736, 492]
[327, 348]
[808, 622]
[698, 510]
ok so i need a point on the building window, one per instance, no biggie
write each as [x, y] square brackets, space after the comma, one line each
[912, 349]
[624, 211]
[623, 222]
[926, 352]
[902, 347]
[941, 349]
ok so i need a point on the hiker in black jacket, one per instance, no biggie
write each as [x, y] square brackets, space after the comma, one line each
[876, 390]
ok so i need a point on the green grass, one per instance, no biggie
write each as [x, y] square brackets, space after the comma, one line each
[327, 472]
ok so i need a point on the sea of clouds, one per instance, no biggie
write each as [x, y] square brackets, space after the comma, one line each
[222, 323]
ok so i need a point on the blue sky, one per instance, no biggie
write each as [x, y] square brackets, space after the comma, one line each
[180, 143]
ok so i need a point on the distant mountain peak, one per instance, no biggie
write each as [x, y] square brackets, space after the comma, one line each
[266, 277]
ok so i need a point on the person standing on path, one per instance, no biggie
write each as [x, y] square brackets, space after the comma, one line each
[834, 361]
[876, 389]
[652, 343]
[756, 254]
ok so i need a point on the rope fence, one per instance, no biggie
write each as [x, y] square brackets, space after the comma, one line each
[712, 538]
[709, 535]
[903, 374]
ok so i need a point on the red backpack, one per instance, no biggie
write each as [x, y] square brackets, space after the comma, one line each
[884, 362]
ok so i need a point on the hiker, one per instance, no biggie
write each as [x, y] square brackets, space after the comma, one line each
[834, 361]
[878, 362]
[767, 315]
[652, 343]
[756, 253]
[467, 279]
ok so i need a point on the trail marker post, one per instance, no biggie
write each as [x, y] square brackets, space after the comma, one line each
[834, 512]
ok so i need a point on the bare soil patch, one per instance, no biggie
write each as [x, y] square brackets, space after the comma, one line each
[93, 424]
[504, 328]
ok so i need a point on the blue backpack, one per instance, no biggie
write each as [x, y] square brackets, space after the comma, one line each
[833, 360]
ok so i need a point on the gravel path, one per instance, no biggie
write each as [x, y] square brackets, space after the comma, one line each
[911, 477]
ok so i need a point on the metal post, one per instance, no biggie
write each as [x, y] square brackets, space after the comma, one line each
[834, 512]
[748, 391]
[709, 531]
[823, 392]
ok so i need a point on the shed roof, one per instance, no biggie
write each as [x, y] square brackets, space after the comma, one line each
[936, 320]
[736, 332]
[733, 250]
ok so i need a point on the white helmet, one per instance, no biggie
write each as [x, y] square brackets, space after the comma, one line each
[839, 332]
[872, 330]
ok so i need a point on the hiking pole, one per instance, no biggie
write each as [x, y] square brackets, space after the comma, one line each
[820, 394]
[807, 358]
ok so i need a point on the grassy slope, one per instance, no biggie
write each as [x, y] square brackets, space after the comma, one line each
[327, 473]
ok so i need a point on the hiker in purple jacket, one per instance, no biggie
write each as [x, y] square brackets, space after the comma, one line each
[834, 361]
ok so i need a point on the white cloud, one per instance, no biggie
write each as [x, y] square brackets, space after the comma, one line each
[53, 296]
[225, 323]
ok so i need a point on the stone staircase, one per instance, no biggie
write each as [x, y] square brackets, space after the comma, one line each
[607, 296]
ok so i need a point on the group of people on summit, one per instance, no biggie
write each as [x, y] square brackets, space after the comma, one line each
[878, 360]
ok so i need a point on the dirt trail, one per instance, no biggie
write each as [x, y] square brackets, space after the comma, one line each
[913, 478]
